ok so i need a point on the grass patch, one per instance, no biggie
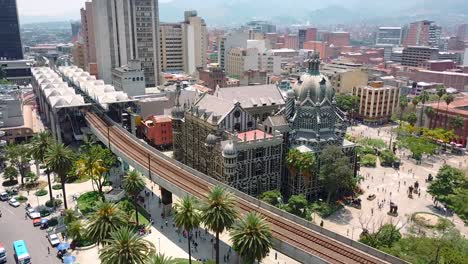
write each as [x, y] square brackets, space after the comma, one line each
[21, 199]
[57, 186]
[127, 206]
[87, 202]
[41, 192]
[50, 203]
[9, 183]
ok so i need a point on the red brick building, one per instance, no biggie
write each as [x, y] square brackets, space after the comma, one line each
[459, 107]
[338, 39]
[158, 130]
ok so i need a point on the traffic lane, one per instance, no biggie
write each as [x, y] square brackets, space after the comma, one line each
[14, 227]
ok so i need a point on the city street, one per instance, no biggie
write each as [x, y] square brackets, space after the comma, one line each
[14, 227]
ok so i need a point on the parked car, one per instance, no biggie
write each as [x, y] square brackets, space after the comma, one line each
[53, 239]
[13, 202]
[29, 211]
[37, 222]
[4, 196]
[35, 215]
[3, 255]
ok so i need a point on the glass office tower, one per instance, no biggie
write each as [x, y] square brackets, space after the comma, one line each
[10, 39]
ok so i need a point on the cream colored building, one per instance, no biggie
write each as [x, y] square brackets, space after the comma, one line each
[345, 76]
[377, 101]
[183, 45]
[172, 47]
[240, 60]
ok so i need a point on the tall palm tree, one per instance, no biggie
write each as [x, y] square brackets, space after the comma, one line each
[403, 105]
[76, 230]
[423, 97]
[415, 102]
[440, 93]
[187, 216]
[429, 111]
[218, 212]
[251, 238]
[133, 184]
[457, 122]
[160, 259]
[448, 98]
[19, 156]
[107, 219]
[60, 160]
[39, 146]
[126, 247]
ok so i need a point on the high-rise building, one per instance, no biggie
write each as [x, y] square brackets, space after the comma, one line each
[261, 26]
[195, 41]
[10, 39]
[337, 39]
[129, 78]
[377, 102]
[236, 39]
[417, 55]
[423, 33]
[302, 37]
[87, 36]
[461, 31]
[127, 30]
[172, 47]
[389, 35]
[291, 41]
[75, 28]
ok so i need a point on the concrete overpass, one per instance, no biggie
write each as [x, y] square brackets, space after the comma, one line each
[293, 236]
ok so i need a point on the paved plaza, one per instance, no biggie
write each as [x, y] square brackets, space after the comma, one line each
[388, 185]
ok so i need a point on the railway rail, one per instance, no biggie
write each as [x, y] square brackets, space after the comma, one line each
[297, 235]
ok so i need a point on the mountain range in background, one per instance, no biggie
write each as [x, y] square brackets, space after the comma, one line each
[229, 13]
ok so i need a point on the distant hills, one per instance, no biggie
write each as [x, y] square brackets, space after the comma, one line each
[316, 12]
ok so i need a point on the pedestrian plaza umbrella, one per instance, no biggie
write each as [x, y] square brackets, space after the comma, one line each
[63, 246]
[69, 259]
[44, 220]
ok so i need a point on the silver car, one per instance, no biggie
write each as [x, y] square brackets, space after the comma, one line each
[13, 202]
[53, 239]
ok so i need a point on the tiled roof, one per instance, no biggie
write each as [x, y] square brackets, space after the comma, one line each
[252, 96]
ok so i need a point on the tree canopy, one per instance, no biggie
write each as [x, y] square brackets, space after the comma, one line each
[347, 103]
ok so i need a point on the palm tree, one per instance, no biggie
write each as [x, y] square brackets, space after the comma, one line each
[251, 238]
[448, 98]
[440, 93]
[423, 97]
[457, 122]
[187, 216]
[60, 160]
[160, 259]
[403, 105]
[218, 212]
[126, 246]
[18, 155]
[107, 219]
[69, 216]
[133, 184]
[429, 111]
[76, 230]
[39, 146]
[415, 102]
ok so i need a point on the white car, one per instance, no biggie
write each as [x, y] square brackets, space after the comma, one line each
[29, 211]
[53, 239]
[13, 202]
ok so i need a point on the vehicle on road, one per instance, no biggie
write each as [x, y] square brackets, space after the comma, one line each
[4, 196]
[21, 252]
[29, 211]
[3, 257]
[54, 239]
[13, 202]
[37, 221]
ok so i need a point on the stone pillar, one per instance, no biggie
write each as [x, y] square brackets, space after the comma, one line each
[166, 199]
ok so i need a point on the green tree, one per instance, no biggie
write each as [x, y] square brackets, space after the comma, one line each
[429, 111]
[106, 219]
[457, 122]
[411, 118]
[133, 184]
[386, 236]
[218, 212]
[368, 160]
[31, 178]
[10, 174]
[76, 230]
[447, 180]
[187, 216]
[415, 102]
[251, 238]
[440, 94]
[18, 155]
[160, 259]
[271, 197]
[60, 160]
[69, 216]
[403, 105]
[418, 146]
[448, 98]
[423, 98]
[347, 103]
[297, 205]
[38, 149]
[91, 165]
[126, 246]
[335, 172]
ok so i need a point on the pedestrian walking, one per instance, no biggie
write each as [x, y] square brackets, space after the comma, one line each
[166, 223]
[321, 223]
[48, 250]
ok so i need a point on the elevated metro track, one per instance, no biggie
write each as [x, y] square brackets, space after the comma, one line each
[293, 236]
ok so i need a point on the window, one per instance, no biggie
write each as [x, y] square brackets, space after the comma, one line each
[237, 126]
[259, 152]
[249, 124]
[237, 114]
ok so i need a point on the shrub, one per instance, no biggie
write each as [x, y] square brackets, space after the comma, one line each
[53, 221]
[57, 202]
[363, 150]
[42, 192]
[325, 209]
[21, 199]
[57, 186]
[87, 202]
[368, 160]
[387, 158]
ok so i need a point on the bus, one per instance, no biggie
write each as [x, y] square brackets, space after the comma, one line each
[21, 252]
